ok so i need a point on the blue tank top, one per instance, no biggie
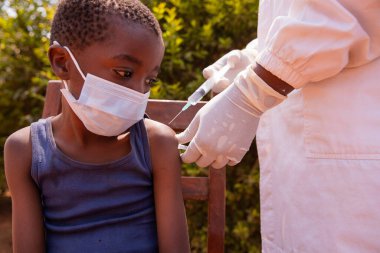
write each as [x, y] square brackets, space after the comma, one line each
[95, 207]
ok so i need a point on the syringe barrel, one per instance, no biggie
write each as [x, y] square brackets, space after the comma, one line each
[206, 86]
[200, 92]
[196, 96]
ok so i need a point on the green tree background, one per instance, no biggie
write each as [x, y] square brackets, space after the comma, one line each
[196, 33]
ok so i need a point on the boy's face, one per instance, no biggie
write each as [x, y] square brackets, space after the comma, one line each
[130, 56]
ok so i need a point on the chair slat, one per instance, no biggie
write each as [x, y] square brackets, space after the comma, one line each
[195, 188]
[165, 110]
[52, 105]
[216, 210]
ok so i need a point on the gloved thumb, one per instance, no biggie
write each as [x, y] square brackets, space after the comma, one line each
[209, 71]
[191, 154]
[230, 58]
[220, 162]
[188, 134]
[233, 58]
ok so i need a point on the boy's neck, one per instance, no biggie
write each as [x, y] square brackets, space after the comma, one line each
[75, 141]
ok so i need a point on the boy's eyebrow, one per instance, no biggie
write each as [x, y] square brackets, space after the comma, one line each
[127, 57]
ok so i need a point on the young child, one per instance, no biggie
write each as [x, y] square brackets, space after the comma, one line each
[98, 177]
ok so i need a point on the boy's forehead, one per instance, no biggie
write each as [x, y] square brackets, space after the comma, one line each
[125, 39]
[121, 30]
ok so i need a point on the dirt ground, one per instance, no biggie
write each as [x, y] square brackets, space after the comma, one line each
[5, 224]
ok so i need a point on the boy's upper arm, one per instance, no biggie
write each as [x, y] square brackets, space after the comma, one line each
[170, 210]
[27, 222]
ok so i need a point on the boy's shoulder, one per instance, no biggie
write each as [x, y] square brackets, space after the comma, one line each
[18, 147]
[163, 144]
[19, 140]
[161, 133]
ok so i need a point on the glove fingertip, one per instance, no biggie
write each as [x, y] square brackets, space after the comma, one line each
[234, 58]
[208, 72]
[183, 137]
[232, 163]
[190, 155]
[220, 162]
[217, 166]
[205, 161]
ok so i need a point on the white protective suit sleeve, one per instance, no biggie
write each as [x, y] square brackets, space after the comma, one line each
[317, 39]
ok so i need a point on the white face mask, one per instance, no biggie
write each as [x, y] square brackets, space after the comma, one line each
[104, 107]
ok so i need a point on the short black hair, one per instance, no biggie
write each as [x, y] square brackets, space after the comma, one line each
[79, 23]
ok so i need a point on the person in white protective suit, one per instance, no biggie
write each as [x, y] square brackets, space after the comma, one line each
[319, 144]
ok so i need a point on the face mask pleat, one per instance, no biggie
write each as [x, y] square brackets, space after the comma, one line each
[113, 87]
[125, 92]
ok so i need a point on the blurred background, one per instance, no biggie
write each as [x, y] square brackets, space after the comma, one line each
[196, 34]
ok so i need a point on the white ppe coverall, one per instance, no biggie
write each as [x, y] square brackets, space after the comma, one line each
[319, 150]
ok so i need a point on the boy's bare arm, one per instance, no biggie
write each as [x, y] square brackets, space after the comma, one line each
[27, 222]
[170, 209]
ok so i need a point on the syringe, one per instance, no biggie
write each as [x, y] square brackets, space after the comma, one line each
[203, 90]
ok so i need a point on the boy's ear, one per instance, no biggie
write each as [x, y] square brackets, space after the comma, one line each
[59, 61]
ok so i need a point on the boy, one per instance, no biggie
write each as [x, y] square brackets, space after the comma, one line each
[98, 177]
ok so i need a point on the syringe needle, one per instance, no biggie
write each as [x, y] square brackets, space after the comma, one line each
[175, 117]
[202, 90]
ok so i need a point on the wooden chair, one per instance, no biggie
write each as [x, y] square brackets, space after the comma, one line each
[210, 189]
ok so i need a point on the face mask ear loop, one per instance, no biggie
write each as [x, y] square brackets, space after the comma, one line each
[75, 62]
[72, 58]
[65, 83]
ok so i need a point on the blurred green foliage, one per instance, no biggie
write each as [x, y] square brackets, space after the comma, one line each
[24, 66]
[196, 33]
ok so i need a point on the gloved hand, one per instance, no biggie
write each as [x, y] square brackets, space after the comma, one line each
[223, 130]
[238, 61]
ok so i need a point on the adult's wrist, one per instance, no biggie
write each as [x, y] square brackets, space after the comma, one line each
[273, 81]
[256, 92]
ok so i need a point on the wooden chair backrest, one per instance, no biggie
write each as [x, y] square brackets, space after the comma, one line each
[211, 188]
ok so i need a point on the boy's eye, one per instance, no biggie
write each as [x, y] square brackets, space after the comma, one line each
[152, 81]
[124, 73]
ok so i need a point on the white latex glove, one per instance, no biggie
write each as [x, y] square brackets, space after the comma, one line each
[223, 130]
[238, 61]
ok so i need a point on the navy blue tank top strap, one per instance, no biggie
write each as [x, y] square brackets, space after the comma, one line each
[40, 147]
[140, 142]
